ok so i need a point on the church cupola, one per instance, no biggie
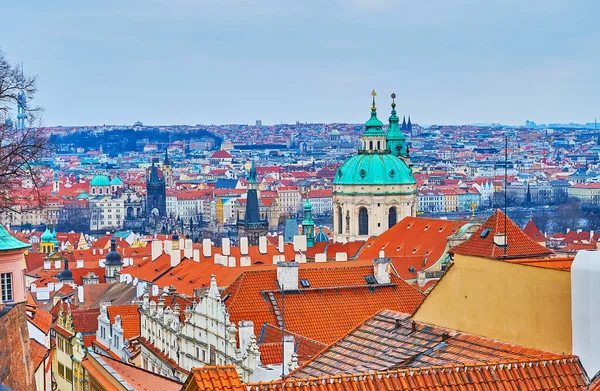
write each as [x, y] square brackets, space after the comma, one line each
[396, 141]
[66, 275]
[373, 139]
[113, 263]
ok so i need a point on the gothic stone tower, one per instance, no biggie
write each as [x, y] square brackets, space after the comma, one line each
[374, 189]
[156, 193]
[252, 225]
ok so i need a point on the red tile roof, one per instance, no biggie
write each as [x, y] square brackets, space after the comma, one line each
[211, 378]
[533, 232]
[338, 299]
[519, 244]
[504, 375]
[85, 321]
[130, 319]
[38, 353]
[391, 340]
[270, 346]
[40, 319]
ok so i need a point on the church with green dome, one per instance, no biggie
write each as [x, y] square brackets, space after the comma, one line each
[374, 189]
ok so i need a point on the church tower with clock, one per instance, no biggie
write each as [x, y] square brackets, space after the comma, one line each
[374, 189]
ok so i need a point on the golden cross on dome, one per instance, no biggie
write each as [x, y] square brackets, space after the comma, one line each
[373, 94]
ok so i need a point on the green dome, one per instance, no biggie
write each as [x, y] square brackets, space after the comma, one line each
[374, 169]
[46, 236]
[100, 180]
[116, 181]
[335, 132]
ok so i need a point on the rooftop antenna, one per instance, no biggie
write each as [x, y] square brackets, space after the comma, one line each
[282, 337]
[505, 190]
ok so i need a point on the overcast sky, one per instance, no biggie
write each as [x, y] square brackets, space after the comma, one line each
[236, 61]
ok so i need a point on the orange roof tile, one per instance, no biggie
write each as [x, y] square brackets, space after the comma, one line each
[211, 378]
[558, 263]
[533, 232]
[130, 319]
[391, 340]
[38, 353]
[523, 375]
[338, 299]
[519, 245]
[40, 319]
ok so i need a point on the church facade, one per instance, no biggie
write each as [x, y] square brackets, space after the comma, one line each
[374, 189]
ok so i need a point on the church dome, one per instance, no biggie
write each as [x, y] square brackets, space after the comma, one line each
[116, 181]
[66, 274]
[113, 257]
[46, 236]
[335, 132]
[374, 169]
[100, 180]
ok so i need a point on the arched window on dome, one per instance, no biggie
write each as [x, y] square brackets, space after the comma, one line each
[340, 219]
[371, 145]
[378, 145]
[392, 217]
[363, 221]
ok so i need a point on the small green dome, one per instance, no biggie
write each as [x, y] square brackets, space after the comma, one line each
[374, 169]
[100, 180]
[83, 195]
[335, 132]
[116, 181]
[46, 236]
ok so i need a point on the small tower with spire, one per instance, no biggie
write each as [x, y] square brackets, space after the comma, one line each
[396, 140]
[373, 138]
[167, 169]
[308, 225]
[113, 263]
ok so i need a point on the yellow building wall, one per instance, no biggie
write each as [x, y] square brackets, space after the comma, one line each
[520, 304]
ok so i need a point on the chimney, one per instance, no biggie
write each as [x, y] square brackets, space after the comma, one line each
[79, 263]
[50, 287]
[80, 292]
[226, 246]
[196, 255]
[280, 244]
[175, 257]
[591, 235]
[168, 246]
[206, 248]
[244, 245]
[94, 251]
[262, 244]
[188, 251]
[231, 261]
[500, 239]
[381, 270]
[157, 249]
[57, 265]
[585, 312]
[299, 243]
[398, 324]
[245, 261]
[245, 333]
[101, 251]
[288, 351]
[321, 257]
[287, 275]
[47, 265]
[341, 257]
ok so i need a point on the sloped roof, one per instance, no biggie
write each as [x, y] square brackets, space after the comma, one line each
[9, 242]
[519, 245]
[338, 299]
[391, 340]
[533, 232]
[503, 375]
[130, 318]
[211, 378]
[38, 353]
[270, 345]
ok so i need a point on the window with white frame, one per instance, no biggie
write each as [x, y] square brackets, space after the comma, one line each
[6, 286]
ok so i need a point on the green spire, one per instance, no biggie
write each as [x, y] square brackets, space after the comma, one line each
[373, 127]
[252, 175]
[396, 141]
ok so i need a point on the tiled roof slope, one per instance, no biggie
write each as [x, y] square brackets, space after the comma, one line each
[390, 340]
[533, 232]
[38, 353]
[269, 343]
[130, 319]
[210, 378]
[519, 244]
[526, 375]
[85, 321]
[338, 300]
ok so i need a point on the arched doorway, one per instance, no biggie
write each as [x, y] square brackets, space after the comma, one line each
[392, 217]
[363, 221]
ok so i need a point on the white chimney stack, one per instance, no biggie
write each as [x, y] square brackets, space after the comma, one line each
[80, 292]
[299, 243]
[196, 255]
[206, 248]
[226, 246]
[188, 251]
[244, 245]
[57, 264]
[585, 312]
[341, 257]
[245, 261]
[47, 265]
[280, 244]
[157, 249]
[381, 270]
[175, 257]
[288, 351]
[262, 244]
[287, 275]
[231, 261]
[168, 246]
[246, 331]
[321, 257]
[79, 263]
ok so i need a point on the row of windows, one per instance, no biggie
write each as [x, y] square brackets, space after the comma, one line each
[65, 372]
